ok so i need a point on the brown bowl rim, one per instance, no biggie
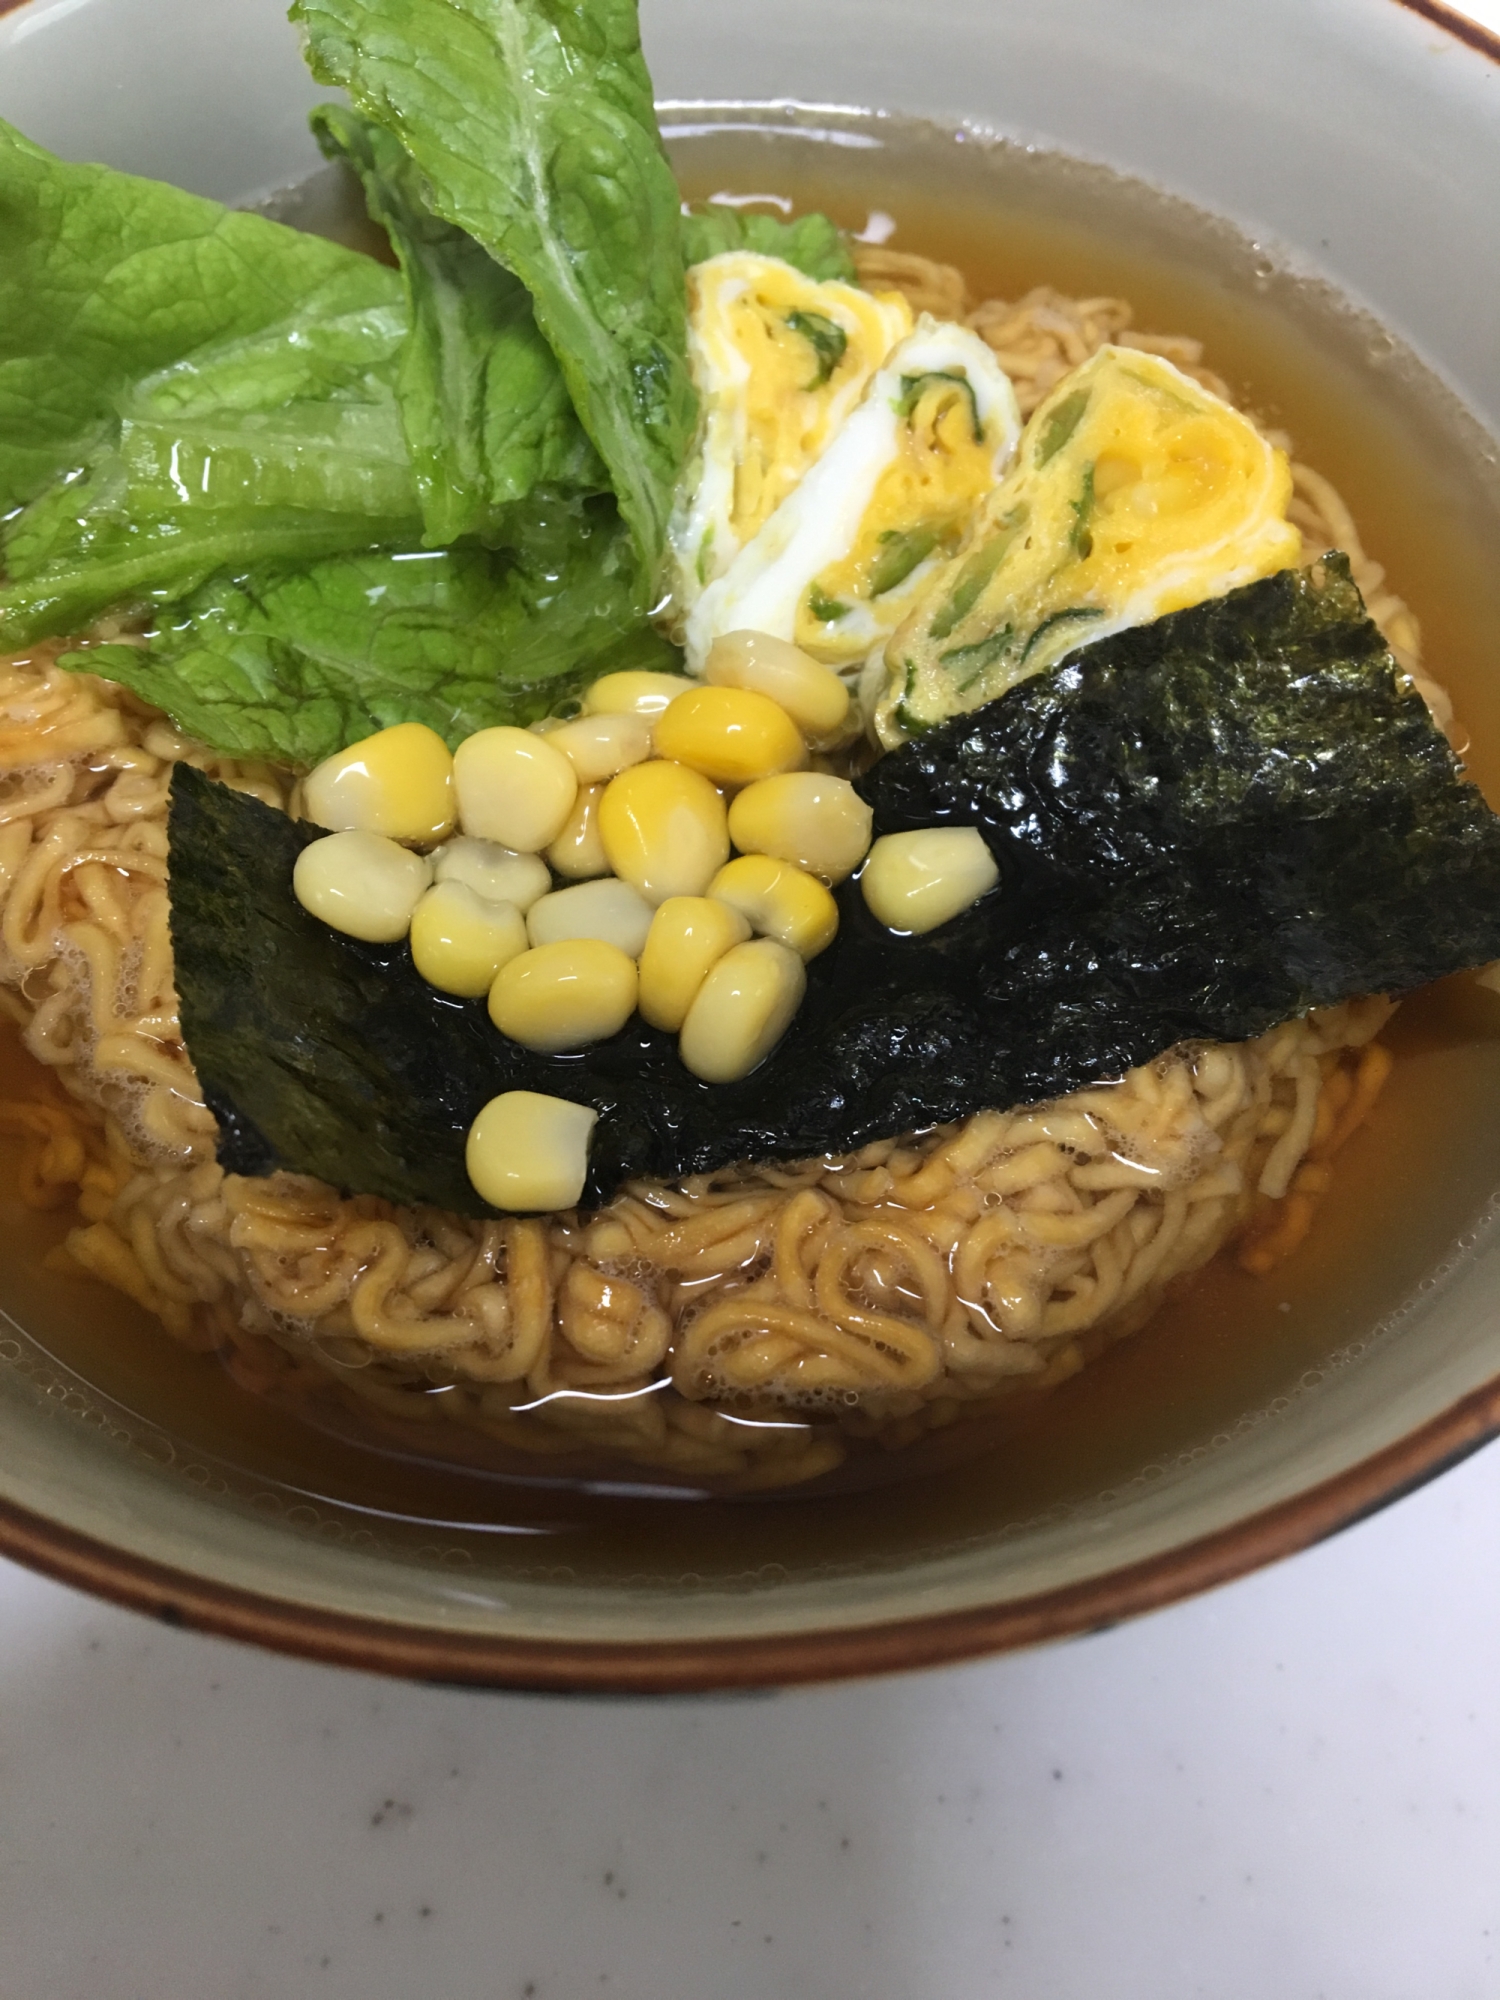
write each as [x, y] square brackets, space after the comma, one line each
[1462, 26]
[775, 1659]
[767, 1660]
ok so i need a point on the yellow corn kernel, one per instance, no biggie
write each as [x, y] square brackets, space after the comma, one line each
[634, 692]
[578, 852]
[664, 829]
[564, 996]
[361, 884]
[821, 823]
[513, 787]
[688, 937]
[730, 735]
[812, 694]
[529, 1152]
[497, 873]
[398, 782]
[779, 900]
[460, 940]
[608, 909]
[599, 745]
[742, 1010]
[913, 882]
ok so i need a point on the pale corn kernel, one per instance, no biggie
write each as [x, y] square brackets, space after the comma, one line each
[664, 828]
[597, 746]
[779, 900]
[730, 735]
[812, 694]
[688, 937]
[527, 1152]
[913, 882]
[742, 1010]
[513, 787]
[362, 884]
[634, 692]
[819, 822]
[460, 940]
[578, 851]
[497, 873]
[398, 782]
[608, 909]
[563, 996]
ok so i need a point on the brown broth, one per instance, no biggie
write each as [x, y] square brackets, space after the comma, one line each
[1233, 1347]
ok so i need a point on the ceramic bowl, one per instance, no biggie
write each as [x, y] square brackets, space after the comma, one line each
[1351, 149]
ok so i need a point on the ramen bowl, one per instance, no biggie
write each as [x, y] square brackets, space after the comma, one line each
[1314, 182]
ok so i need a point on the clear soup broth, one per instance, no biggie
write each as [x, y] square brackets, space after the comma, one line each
[1233, 1348]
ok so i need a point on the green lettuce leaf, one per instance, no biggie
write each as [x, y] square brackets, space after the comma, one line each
[162, 560]
[233, 401]
[293, 664]
[243, 468]
[106, 280]
[533, 128]
[484, 406]
[186, 487]
[811, 242]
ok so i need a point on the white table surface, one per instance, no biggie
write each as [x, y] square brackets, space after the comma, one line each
[1287, 1790]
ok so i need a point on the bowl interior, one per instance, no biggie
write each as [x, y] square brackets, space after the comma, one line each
[148, 1469]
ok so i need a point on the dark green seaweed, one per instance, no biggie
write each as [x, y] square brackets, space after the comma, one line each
[1203, 827]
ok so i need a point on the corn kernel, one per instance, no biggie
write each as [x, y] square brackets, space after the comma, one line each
[513, 787]
[361, 884]
[497, 873]
[460, 940]
[730, 735]
[688, 937]
[608, 909]
[913, 882]
[634, 692]
[821, 823]
[742, 1010]
[599, 745]
[578, 852]
[779, 901]
[398, 782]
[529, 1152]
[664, 829]
[564, 996]
[812, 694]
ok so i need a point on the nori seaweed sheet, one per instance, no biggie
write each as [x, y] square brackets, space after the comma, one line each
[1203, 826]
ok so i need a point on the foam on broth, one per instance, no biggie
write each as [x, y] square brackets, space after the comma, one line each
[1404, 1189]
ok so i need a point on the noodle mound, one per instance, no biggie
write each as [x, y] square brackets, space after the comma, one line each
[735, 1327]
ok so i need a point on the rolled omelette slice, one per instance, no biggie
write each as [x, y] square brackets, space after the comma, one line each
[1135, 493]
[852, 548]
[779, 361]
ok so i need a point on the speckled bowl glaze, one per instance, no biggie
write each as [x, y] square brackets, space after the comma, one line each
[1357, 139]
